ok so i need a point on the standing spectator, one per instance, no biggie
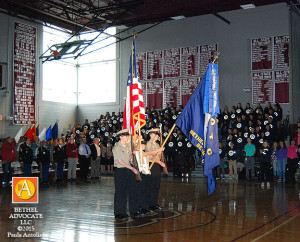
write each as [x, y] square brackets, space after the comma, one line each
[95, 161]
[1, 144]
[43, 158]
[103, 161]
[50, 147]
[84, 154]
[35, 145]
[274, 160]
[59, 157]
[18, 145]
[26, 157]
[265, 163]
[110, 158]
[292, 161]
[221, 166]
[281, 155]
[297, 137]
[249, 150]
[8, 153]
[232, 158]
[278, 113]
[72, 153]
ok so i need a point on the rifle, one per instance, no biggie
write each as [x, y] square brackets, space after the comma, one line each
[165, 169]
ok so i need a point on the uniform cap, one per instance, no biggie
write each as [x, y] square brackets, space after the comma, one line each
[155, 131]
[123, 132]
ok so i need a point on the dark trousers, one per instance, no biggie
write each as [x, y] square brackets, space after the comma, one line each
[59, 170]
[292, 165]
[84, 164]
[154, 185]
[7, 171]
[45, 172]
[265, 170]
[125, 187]
[27, 170]
[143, 191]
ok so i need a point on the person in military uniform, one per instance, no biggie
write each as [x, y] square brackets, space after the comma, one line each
[43, 158]
[125, 178]
[59, 156]
[26, 157]
[155, 170]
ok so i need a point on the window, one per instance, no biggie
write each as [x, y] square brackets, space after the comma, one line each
[93, 73]
[97, 83]
[59, 76]
[59, 82]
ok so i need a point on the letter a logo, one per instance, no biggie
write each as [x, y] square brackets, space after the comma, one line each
[25, 190]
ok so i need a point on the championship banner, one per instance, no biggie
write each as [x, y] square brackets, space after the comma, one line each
[24, 74]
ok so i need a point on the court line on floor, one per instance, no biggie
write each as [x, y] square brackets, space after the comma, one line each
[259, 227]
[277, 227]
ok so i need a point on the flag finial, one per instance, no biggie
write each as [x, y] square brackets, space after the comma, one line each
[217, 56]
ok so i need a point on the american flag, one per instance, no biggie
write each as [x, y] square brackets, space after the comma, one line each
[134, 105]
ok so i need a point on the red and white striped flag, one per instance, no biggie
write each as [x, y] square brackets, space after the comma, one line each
[134, 105]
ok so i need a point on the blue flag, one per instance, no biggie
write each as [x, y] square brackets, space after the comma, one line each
[55, 131]
[212, 157]
[48, 133]
[198, 121]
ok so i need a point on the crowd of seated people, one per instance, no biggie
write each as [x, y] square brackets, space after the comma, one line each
[235, 127]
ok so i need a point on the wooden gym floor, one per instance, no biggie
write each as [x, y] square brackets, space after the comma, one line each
[237, 211]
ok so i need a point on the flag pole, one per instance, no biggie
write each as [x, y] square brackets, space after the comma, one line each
[163, 145]
[217, 56]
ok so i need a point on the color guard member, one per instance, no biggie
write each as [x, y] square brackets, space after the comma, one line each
[125, 178]
[155, 170]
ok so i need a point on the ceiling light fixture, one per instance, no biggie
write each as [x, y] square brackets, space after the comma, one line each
[178, 17]
[247, 6]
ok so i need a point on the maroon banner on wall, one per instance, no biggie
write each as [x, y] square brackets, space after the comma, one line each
[172, 93]
[172, 63]
[155, 65]
[144, 90]
[142, 64]
[281, 52]
[261, 53]
[24, 73]
[281, 86]
[155, 94]
[190, 61]
[262, 87]
[188, 86]
[207, 55]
